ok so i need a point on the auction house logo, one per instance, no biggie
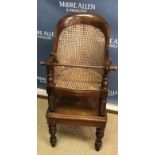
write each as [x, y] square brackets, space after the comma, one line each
[45, 35]
[76, 7]
[113, 43]
[112, 92]
[42, 79]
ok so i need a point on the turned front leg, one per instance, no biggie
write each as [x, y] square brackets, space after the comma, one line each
[99, 136]
[52, 131]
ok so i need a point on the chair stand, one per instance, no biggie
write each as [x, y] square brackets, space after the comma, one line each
[54, 118]
[77, 69]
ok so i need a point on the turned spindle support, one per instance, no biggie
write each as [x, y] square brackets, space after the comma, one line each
[103, 95]
[50, 92]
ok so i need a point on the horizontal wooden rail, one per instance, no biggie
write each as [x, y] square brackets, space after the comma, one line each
[79, 66]
[113, 68]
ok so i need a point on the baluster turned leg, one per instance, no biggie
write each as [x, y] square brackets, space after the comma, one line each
[99, 136]
[102, 111]
[52, 131]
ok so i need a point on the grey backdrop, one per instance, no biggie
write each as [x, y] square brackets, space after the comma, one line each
[49, 13]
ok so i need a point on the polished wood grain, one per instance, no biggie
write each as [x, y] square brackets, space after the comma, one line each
[77, 107]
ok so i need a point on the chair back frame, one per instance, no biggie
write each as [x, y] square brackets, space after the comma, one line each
[88, 19]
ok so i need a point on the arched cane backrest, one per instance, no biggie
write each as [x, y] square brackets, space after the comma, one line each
[81, 44]
[81, 39]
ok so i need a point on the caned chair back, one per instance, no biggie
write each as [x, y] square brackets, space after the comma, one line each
[80, 43]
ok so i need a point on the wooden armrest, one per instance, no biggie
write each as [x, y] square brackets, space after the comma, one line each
[112, 68]
[49, 61]
[78, 66]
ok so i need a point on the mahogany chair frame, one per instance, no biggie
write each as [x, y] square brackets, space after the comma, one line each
[101, 118]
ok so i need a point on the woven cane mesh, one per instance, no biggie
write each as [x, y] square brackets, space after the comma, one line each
[80, 45]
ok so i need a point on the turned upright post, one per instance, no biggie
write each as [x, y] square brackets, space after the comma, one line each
[51, 98]
[50, 92]
[102, 110]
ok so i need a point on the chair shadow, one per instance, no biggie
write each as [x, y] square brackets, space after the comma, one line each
[78, 132]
